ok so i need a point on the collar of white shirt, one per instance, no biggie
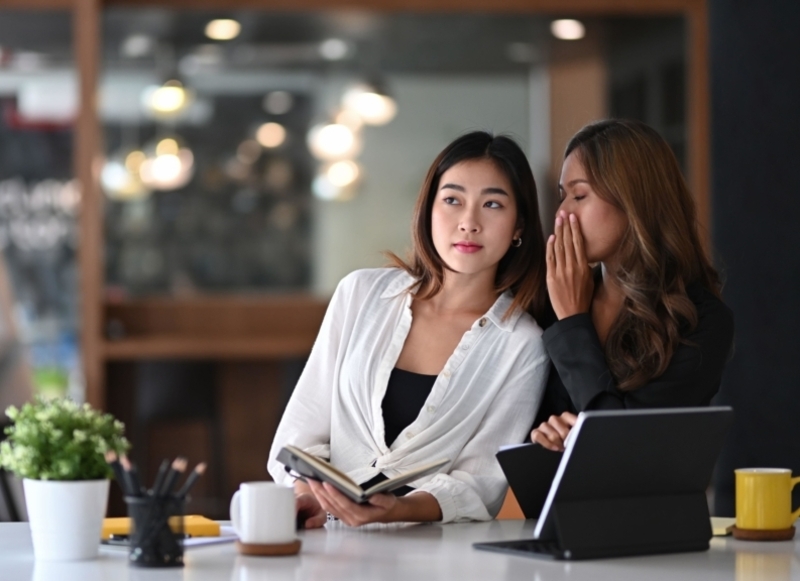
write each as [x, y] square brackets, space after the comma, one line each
[404, 282]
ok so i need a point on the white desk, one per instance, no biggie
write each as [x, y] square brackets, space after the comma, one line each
[414, 553]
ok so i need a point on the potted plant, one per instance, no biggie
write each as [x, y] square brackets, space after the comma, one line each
[57, 447]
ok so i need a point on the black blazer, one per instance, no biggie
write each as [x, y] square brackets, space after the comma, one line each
[580, 379]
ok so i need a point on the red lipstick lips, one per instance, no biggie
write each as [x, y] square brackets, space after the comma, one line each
[467, 247]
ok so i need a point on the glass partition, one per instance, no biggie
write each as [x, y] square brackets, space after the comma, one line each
[39, 201]
[255, 152]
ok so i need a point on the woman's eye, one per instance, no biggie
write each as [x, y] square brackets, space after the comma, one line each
[578, 198]
[450, 200]
[492, 204]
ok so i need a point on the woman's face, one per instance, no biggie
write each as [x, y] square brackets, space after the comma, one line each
[602, 223]
[474, 216]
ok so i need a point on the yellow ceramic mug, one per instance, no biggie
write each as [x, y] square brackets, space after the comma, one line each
[764, 498]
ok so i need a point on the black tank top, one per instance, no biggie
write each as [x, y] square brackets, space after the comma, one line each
[405, 396]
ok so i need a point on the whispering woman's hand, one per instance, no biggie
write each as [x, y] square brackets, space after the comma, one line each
[569, 277]
[553, 433]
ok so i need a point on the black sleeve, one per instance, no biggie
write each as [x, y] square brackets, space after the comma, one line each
[691, 379]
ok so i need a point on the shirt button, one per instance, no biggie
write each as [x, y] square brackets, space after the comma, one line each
[409, 435]
[431, 409]
[482, 322]
[446, 373]
[464, 347]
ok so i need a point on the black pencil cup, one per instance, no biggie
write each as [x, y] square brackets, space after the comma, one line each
[156, 538]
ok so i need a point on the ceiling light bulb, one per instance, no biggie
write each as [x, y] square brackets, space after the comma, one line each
[168, 171]
[166, 167]
[332, 141]
[170, 98]
[373, 107]
[133, 161]
[223, 29]
[271, 135]
[567, 29]
[343, 173]
[167, 146]
[120, 180]
[350, 118]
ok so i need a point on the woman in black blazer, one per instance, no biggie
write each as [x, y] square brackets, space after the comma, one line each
[640, 319]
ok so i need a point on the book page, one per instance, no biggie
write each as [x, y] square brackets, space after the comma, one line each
[405, 478]
[334, 475]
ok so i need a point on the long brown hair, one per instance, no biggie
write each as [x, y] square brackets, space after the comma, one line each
[632, 167]
[522, 270]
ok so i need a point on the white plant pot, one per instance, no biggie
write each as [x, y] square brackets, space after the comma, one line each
[66, 517]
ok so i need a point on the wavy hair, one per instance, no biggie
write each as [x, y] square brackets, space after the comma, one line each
[522, 270]
[632, 167]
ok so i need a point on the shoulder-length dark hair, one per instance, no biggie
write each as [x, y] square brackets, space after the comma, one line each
[522, 270]
[632, 167]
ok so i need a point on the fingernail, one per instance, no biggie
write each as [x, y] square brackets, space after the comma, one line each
[551, 239]
[572, 218]
[559, 221]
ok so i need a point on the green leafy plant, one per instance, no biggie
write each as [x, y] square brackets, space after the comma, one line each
[60, 440]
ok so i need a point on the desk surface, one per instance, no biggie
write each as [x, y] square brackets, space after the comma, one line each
[415, 553]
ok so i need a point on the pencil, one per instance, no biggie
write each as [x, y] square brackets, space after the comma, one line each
[113, 461]
[191, 479]
[159, 481]
[126, 472]
[178, 467]
[138, 490]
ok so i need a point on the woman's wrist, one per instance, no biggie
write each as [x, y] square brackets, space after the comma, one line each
[415, 507]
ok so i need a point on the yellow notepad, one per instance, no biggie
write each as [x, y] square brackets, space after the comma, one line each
[193, 524]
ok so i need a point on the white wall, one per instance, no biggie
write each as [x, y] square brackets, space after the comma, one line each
[432, 111]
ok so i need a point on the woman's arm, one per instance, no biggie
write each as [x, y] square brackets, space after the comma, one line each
[694, 371]
[691, 379]
[383, 508]
[306, 421]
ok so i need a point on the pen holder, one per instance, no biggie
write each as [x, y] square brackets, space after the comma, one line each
[156, 538]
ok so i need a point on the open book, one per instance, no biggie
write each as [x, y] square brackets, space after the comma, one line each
[308, 466]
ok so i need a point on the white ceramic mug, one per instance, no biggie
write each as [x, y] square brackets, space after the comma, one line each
[264, 513]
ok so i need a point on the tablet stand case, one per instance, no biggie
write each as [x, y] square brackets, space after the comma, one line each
[590, 529]
[644, 498]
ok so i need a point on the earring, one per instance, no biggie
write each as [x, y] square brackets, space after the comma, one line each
[516, 242]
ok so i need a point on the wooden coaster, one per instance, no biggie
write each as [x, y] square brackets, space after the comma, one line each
[763, 535]
[257, 550]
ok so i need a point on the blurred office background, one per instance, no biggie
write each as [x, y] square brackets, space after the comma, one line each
[240, 162]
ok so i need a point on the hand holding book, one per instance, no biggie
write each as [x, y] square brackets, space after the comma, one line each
[310, 467]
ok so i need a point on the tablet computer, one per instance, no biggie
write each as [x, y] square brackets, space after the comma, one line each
[630, 482]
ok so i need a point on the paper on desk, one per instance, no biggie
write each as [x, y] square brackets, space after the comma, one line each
[226, 535]
[722, 526]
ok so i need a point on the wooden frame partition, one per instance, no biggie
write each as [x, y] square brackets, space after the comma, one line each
[256, 328]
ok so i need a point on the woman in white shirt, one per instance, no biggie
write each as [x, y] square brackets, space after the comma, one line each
[437, 357]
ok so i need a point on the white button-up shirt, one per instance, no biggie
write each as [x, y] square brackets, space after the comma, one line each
[486, 396]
